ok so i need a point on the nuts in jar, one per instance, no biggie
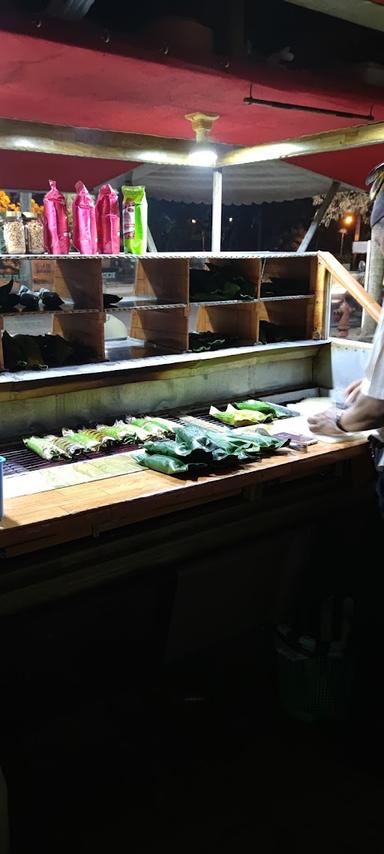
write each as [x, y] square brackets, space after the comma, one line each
[14, 237]
[34, 231]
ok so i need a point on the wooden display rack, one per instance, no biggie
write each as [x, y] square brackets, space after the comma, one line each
[78, 281]
[290, 291]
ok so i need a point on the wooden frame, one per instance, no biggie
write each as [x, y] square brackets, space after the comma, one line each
[164, 279]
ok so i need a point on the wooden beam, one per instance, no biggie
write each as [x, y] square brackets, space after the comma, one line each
[85, 142]
[319, 216]
[345, 278]
[334, 140]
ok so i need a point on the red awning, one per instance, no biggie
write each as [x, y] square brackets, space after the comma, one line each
[44, 80]
[351, 166]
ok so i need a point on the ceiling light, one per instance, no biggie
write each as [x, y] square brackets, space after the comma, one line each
[203, 153]
[202, 156]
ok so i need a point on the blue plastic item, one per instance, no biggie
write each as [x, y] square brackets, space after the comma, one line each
[2, 461]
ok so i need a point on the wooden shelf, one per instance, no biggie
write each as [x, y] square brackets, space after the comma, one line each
[146, 306]
[287, 298]
[208, 302]
[20, 315]
[157, 310]
[223, 256]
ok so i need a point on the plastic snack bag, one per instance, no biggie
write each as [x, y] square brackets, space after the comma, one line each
[84, 235]
[56, 231]
[135, 220]
[108, 220]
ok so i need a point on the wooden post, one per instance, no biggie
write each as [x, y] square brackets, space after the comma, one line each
[318, 217]
[217, 202]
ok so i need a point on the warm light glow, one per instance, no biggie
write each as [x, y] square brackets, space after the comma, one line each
[193, 221]
[348, 219]
[202, 156]
[230, 219]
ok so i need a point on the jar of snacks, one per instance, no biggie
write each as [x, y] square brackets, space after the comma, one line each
[34, 234]
[14, 237]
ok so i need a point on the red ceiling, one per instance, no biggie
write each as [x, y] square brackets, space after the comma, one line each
[46, 81]
[20, 170]
[43, 80]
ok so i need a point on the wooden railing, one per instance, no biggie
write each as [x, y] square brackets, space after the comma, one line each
[348, 281]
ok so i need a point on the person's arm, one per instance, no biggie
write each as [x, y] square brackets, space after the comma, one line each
[367, 413]
[352, 392]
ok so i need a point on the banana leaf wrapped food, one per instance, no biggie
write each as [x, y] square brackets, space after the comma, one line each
[44, 447]
[85, 438]
[160, 463]
[261, 406]
[153, 426]
[119, 432]
[8, 300]
[22, 352]
[68, 446]
[264, 440]
[239, 417]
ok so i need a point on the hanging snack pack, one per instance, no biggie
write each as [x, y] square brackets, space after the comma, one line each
[84, 235]
[56, 231]
[108, 220]
[135, 216]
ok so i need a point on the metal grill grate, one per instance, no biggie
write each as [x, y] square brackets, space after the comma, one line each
[20, 460]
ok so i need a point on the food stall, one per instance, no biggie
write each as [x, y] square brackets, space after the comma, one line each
[71, 525]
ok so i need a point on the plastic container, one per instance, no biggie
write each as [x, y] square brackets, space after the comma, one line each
[314, 685]
[14, 235]
[2, 461]
[34, 232]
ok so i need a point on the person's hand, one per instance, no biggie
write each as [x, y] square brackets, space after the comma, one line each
[324, 422]
[352, 392]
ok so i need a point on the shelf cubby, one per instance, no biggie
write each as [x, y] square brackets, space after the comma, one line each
[293, 314]
[80, 283]
[234, 320]
[165, 328]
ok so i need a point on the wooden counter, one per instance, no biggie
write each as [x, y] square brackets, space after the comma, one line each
[38, 521]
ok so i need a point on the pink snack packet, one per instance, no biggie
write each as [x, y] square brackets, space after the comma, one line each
[108, 220]
[84, 235]
[56, 231]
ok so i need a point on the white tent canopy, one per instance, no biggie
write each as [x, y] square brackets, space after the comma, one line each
[272, 181]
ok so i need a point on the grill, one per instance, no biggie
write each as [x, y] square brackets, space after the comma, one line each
[20, 460]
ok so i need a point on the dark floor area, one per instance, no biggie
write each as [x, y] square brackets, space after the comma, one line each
[110, 743]
[210, 763]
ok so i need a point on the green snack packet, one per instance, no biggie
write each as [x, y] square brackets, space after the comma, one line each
[135, 216]
[161, 463]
